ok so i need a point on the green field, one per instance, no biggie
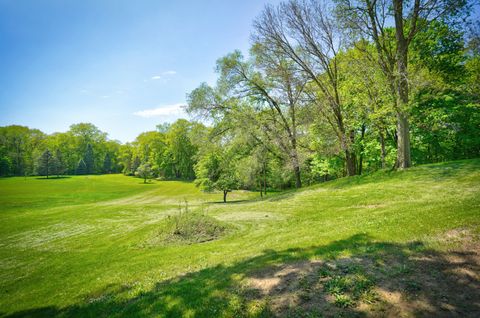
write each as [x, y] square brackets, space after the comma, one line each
[86, 245]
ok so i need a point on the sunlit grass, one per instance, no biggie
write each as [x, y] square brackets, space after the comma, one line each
[81, 243]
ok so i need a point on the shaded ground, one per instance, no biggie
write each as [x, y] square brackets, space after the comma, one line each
[389, 280]
[355, 277]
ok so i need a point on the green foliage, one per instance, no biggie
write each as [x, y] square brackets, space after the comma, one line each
[46, 164]
[81, 167]
[59, 163]
[144, 171]
[216, 170]
[89, 160]
[445, 125]
[107, 163]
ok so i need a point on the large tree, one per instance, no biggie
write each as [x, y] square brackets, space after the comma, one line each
[306, 33]
[45, 164]
[370, 19]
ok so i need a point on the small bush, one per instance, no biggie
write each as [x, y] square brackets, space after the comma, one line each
[186, 227]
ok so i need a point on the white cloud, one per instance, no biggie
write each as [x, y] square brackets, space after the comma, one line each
[163, 75]
[174, 110]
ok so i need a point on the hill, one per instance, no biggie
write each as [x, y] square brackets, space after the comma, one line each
[390, 243]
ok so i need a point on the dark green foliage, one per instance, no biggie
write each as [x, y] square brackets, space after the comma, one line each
[440, 49]
[89, 160]
[81, 167]
[107, 163]
[20, 146]
[45, 164]
[59, 163]
[445, 126]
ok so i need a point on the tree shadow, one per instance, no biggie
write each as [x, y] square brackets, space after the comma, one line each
[395, 279]
[53, 178]
[229, 202]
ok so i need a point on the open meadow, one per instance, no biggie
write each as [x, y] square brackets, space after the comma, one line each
[389, 243]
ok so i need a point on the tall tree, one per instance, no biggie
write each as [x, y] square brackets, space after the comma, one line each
[306, 33]
[107, 163]
[89, 160]
[369, 18]
[59, 163]
[45, 164]
[81, 167]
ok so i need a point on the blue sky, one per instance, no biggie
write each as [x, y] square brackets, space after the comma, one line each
[124, 66]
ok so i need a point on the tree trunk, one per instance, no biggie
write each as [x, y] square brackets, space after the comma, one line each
[403, 129]
[265, 178]
[225, 196]
[360, 160]
[298, 180]
[350, 162]
[403, 142]
[382, 150]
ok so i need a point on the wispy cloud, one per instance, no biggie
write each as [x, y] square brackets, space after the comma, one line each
[171, 111]
[163, 75]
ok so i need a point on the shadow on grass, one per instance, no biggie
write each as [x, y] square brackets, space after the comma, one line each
[424, 283]
[232, 201]
[53, 178]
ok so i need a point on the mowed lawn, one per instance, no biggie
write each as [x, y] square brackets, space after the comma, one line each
[85, 245]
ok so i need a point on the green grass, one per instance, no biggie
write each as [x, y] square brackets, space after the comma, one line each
[79, 246]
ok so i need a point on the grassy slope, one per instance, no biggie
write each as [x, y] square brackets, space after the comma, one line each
[75, 246]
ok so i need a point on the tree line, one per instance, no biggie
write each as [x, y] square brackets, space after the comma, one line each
[327, 89]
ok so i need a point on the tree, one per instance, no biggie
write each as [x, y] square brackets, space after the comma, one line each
[216, 171]
[107, 163]
[260, 98]
[45, 164]
[369, 18]
[58, 163]
[180, 149]
[306, 34]
[81, 167]
[89, 160]
[144, 171]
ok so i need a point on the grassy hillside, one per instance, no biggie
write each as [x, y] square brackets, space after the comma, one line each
[91, 246]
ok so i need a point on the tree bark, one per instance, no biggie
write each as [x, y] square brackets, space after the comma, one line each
[298, 180]
[225, 196]
[403, 129]
[360, 160]
[350, 162]
[382, 150]
[265, 178]
[403, 142]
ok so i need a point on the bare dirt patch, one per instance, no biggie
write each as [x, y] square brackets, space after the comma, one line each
[389, 280]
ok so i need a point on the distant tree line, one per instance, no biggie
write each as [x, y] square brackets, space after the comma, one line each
[83, 149]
